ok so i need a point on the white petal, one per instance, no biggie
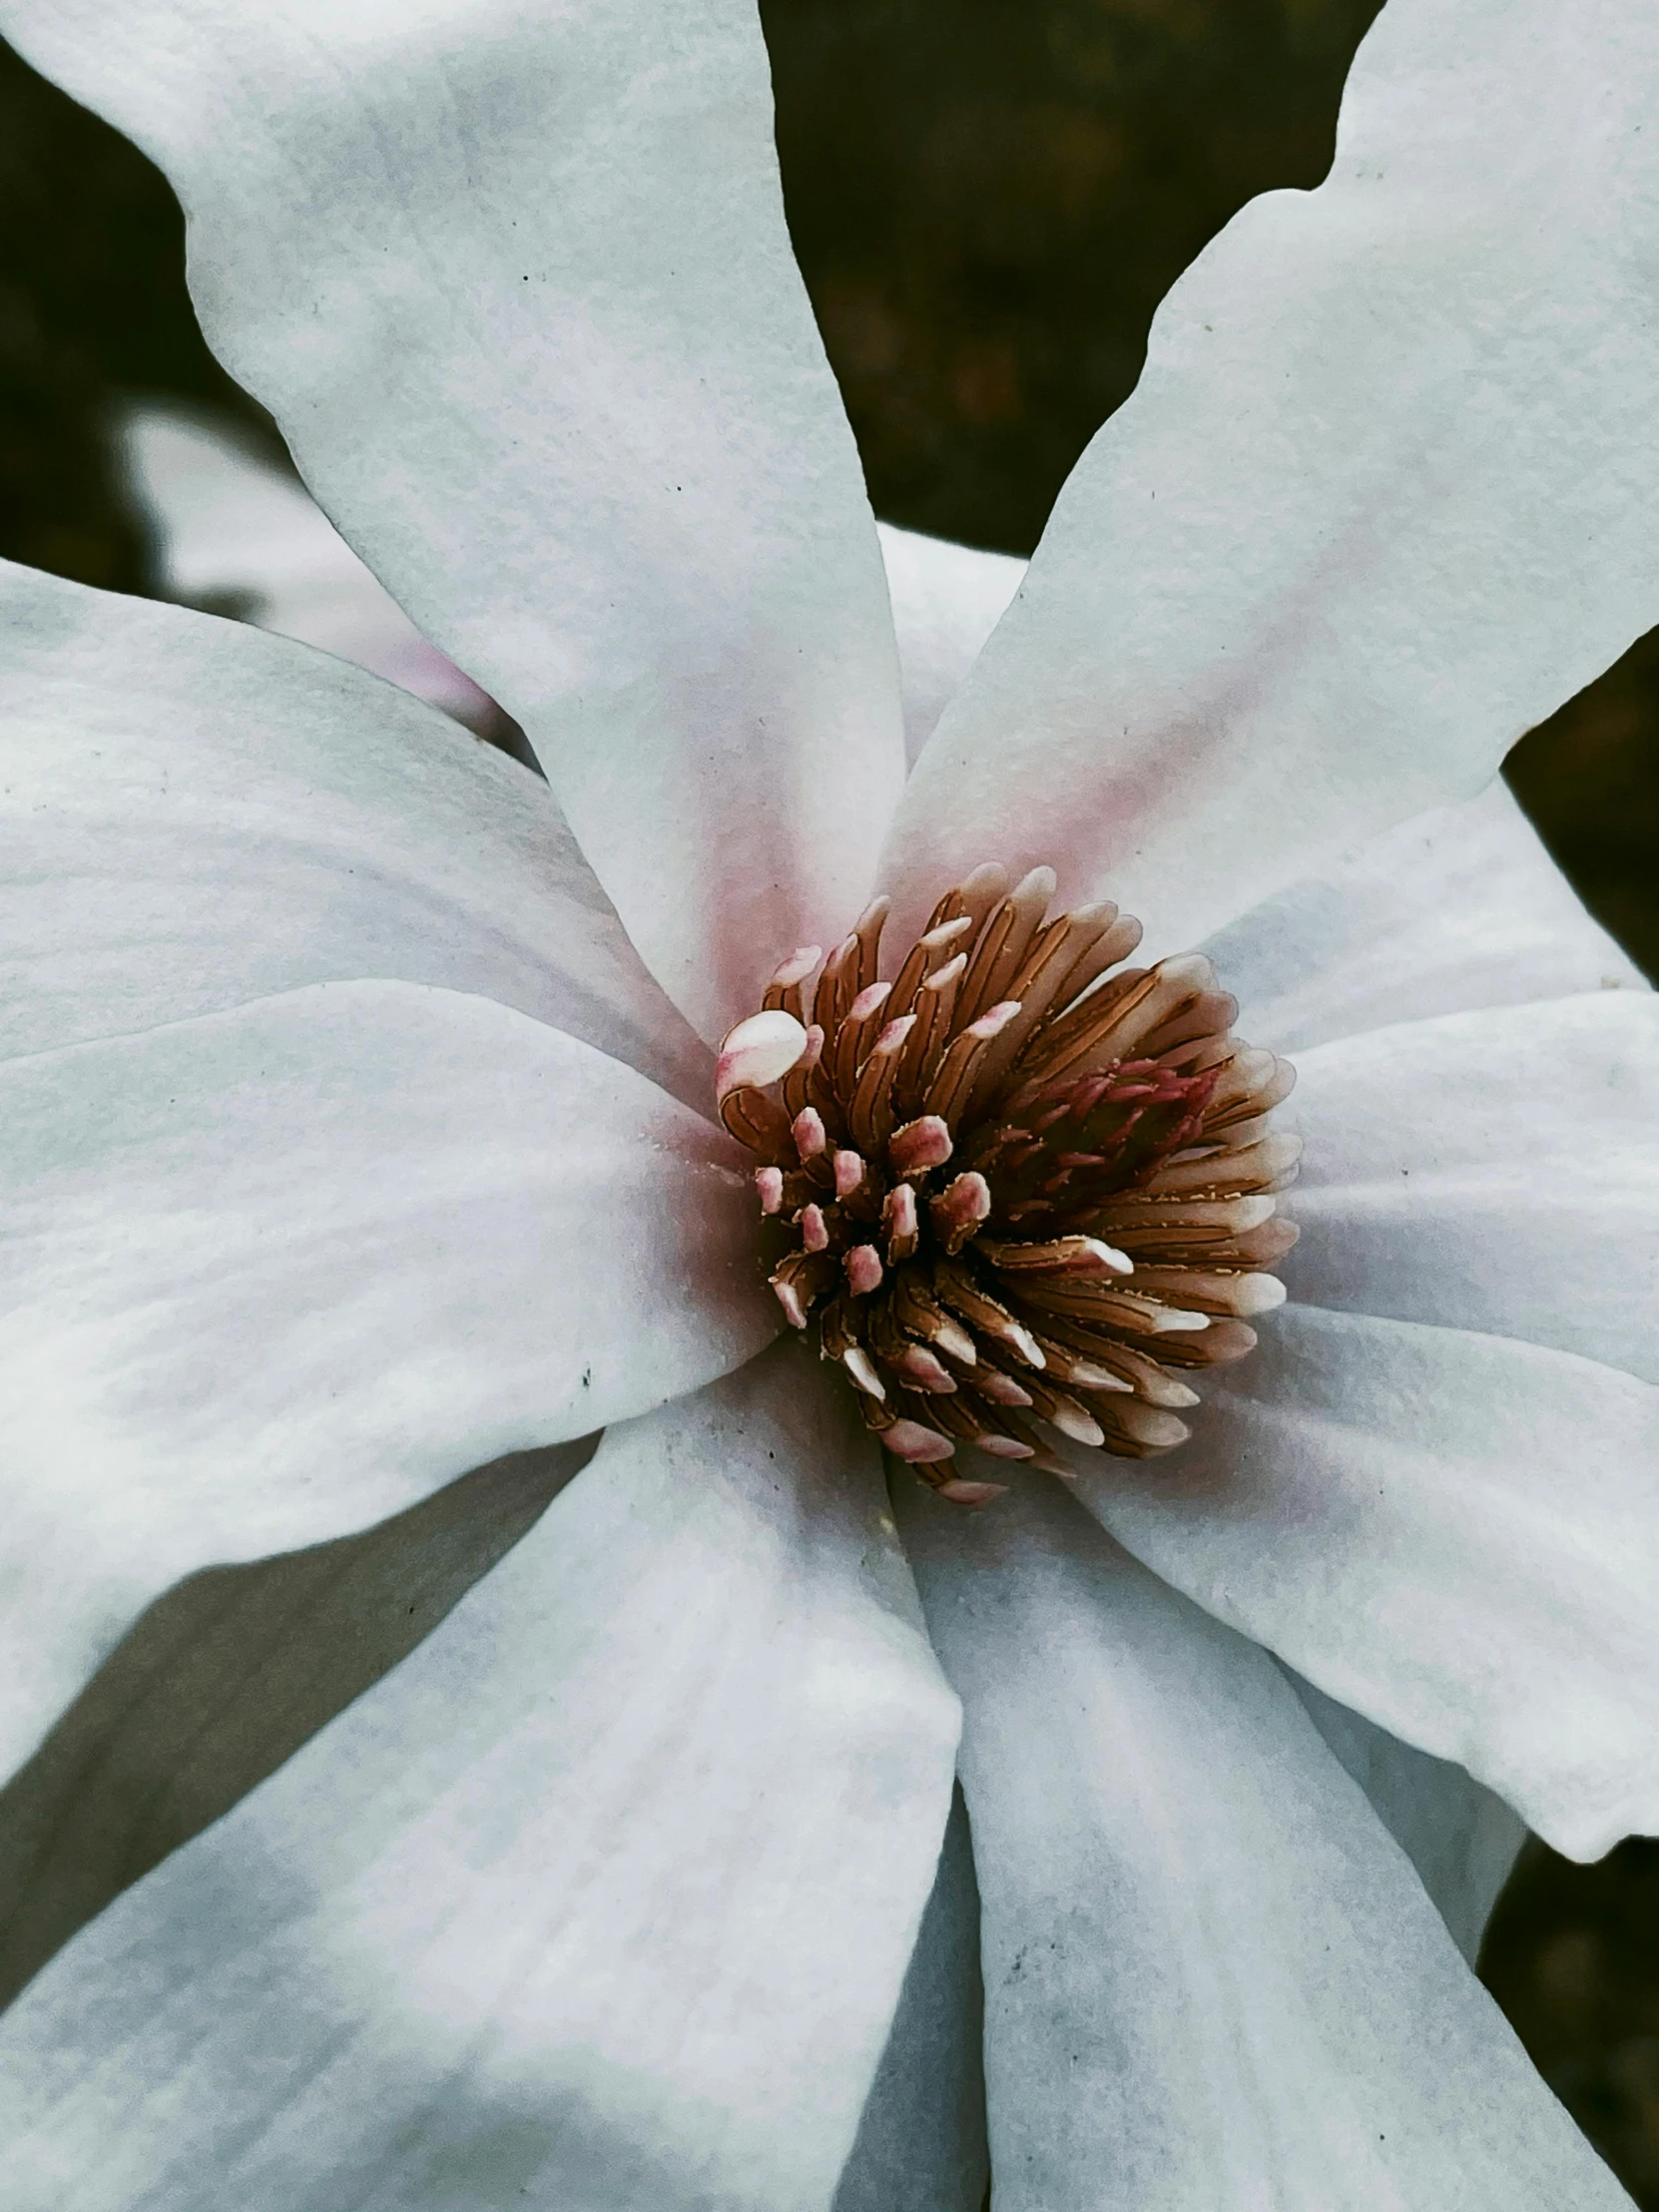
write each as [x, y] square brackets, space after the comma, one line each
[1495, 1171]
[237, 534]
[226, 1677]
[1455, 1535]
[1458, 908]
[1212, 1981]
[273, 1274]
[192, 816]
[516, 284]
[602, 1899]
[920, 2145]
[1382, 500]
[1461, 1839]
[946, 600]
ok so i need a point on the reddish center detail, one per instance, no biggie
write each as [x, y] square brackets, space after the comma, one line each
[1010, 1189]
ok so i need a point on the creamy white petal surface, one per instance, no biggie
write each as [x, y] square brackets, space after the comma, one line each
[273, 1274]
[516, 284]
[1495, 1171]
[1381, 500]
[946, 600]
[192, 816]
[1455, 1535]
[920, 2145]
[1461, 1836]
[1212, 1981]
[224, 1679]
[232, 525]
[602, 1899]
[1459, 907]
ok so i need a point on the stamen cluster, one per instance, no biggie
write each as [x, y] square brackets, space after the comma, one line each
[1010, 1190]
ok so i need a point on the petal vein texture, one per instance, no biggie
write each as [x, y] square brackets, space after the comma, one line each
[272, 1274]
[602, 1899]
[193, 816]
[1211, 1978]
[1455, 1535]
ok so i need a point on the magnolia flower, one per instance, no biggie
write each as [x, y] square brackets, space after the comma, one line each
[360, 1133]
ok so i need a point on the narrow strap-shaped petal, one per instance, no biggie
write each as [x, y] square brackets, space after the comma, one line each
[1461, 1836]
[920, 2145]
[192, 816]
[1212, 1980]
[946, 600]
[1382, 500]
[515, 281]
[226, 1677]
[1455, 908]
[603, 1899]
[1455, 1535]
[273, 1274]
[235, 532]
[1496, 1170]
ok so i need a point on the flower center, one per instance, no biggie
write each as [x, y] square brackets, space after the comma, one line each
[1018, 1187]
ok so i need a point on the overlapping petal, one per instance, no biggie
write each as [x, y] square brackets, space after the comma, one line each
[517, 284]
[1211, 1979]
[235, 533]
[1455, 1535]
[193, 816]
[1380, 502]
[273, 1274]
[1461, 1836]
[946, 600]
[1456, 909]
[921, 2143]
[224, 1679]
[1493, 1171]
[602, 1899]
[605, 1895]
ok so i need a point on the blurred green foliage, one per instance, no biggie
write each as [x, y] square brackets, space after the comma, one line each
[988, 198]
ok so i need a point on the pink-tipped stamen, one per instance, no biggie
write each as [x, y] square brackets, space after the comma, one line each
[758, 1051]
[919, 1365]
[921, 1144]
[1111, 1214]
[908, 1440]
[797, 967]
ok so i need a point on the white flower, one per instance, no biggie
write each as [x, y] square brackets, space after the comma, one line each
[351, 1143]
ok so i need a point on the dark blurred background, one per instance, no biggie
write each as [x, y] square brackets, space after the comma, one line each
[989, 197]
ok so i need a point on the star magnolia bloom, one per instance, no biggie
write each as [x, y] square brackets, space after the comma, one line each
[358, 1131]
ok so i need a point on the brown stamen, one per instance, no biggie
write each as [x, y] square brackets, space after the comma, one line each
[1014, 1187]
